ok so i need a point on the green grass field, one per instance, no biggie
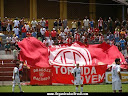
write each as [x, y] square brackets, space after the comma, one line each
[63, 88]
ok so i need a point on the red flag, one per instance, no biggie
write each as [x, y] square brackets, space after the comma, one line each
[97, 54]
[34, 52]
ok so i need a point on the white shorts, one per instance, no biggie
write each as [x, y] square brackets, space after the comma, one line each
[116, 85]
[17, 80]
[78, 81]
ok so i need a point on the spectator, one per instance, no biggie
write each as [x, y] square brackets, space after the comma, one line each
[42, 23]
[58, 31]
[105, 24]
[77, 36]
[0, 41]
[42, 31]
[100, 24]
[82, 31]
[16, 22]
[16, 31]
[110, 25]
[8, 38]
[7, 47]
[53, 34]
[29, 34]
[29, 22]
[117, 23]
[63, 35]
[96, 30]
[13, 41]
[0, 24]
[122, 45]
[65, 22]
[50, 42]
[38, 26]
[60, 24]
[45, 42]
[21, 24]
[111, 37]
[27, 27]
[46, 24]
[74, 24]
[66, 30]
[92, 24]
[60, 40]
[15, 53]
[124, 23]
[86, 23]
[24, 31]
[34, 32]
[79, 24]
[33, 23]
[69, 40]
[16, 44]
[9, 26]
[4, 26]
[123, 32]
[56, 24]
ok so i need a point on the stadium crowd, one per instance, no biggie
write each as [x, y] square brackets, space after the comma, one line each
[87, 31]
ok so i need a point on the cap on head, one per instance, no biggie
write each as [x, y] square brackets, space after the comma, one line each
[53, 28]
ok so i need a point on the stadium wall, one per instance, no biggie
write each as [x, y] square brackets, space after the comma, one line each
[70, 9]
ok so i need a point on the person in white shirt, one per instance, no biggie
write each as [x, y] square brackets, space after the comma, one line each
[86, 23]
[34, 23]
[50, 42]
[16, 31]
[14, 38]
[77, 77]
[42, 31]
[27, 27]
[63, 35]
[116, 76]
[45, 42]
[66, 30]
[16, 78]
[16, 22]
[42, 23]
[8, 38]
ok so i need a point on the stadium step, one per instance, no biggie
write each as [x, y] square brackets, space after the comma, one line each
[7, 65]
[6, 78]
[3, 69]
[2, 74]
[6, 60]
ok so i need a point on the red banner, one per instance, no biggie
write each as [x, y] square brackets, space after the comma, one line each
[34, 52]
[97, 54]
[41, 76]
[89, 74]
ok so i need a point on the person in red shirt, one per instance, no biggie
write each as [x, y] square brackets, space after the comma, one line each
[53, 34]
[46, 24]
[77, 36]
[69, 40]
[29, 34]
[96, 30]
[23, 32]
[47, 34]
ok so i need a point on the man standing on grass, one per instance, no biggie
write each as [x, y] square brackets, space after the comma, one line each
[116, 76]
[77, 77]
[16, 78]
